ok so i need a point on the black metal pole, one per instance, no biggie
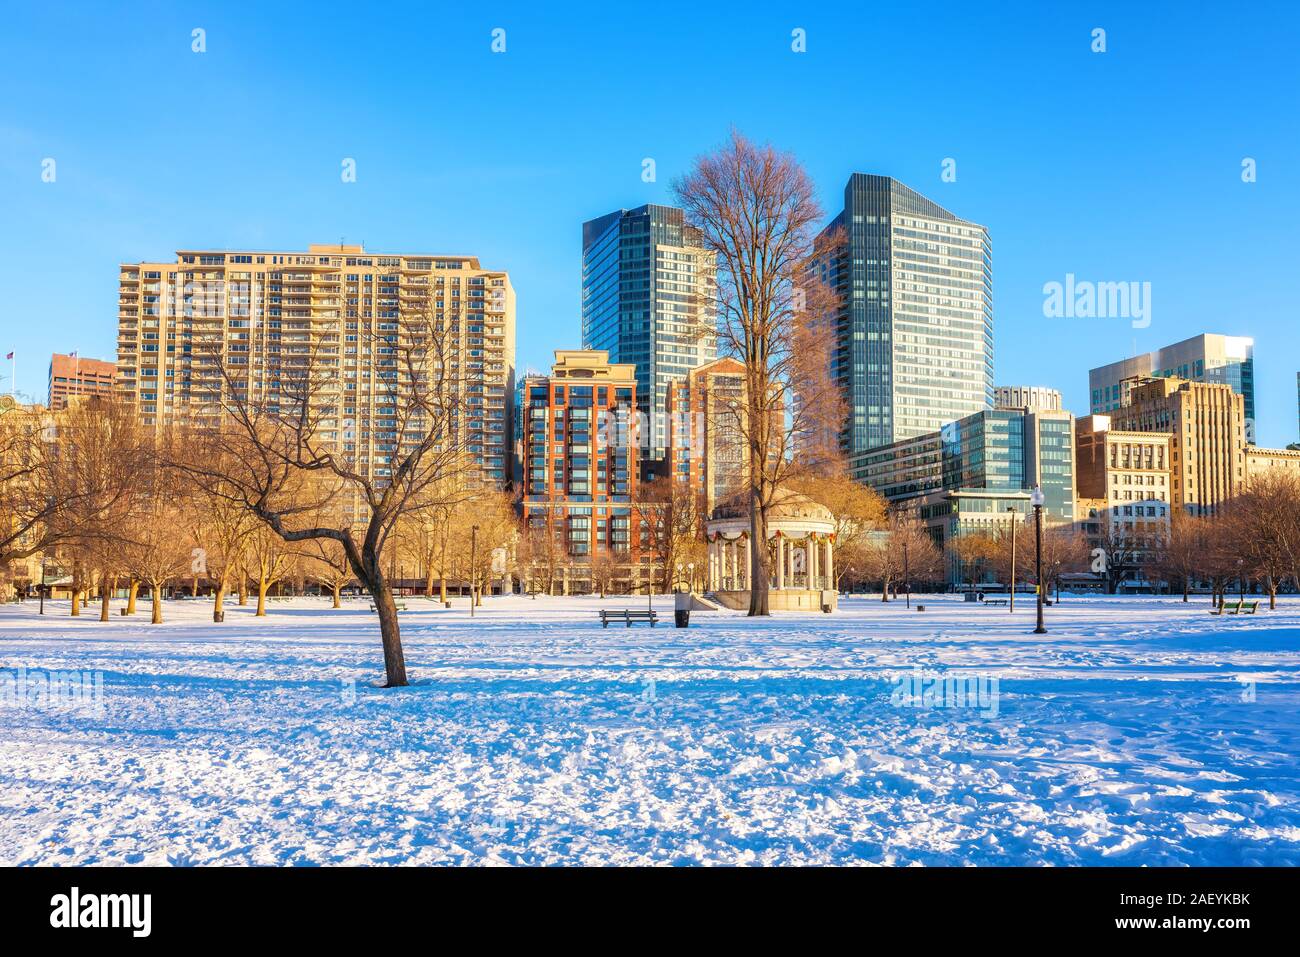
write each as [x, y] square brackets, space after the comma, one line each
[473, 557]
[907, 581]
[1038, 561]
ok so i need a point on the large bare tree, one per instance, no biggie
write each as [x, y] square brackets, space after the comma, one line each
[757, 212]
[307, 448]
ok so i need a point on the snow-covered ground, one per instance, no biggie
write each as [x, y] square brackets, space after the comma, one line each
[1138, 731]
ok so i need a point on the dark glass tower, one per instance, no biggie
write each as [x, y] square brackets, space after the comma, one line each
[647, 299]
[914, 345]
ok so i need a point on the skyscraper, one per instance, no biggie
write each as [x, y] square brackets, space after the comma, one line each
[217, 325]
[647, 299]
[915, 322]
[1208, 357]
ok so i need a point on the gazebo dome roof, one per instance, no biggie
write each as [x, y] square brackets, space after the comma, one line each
[788, 505]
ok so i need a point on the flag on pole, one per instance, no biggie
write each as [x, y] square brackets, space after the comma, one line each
[10, 356]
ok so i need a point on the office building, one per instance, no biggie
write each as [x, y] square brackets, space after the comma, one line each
[578, 446]
[1209, 357]
[215, 327]
[995, 449]
[73, 375]
[706, 441]
[975, 475]
[1125, 488]
[648, 289]
[914, 327]
[1206, 425]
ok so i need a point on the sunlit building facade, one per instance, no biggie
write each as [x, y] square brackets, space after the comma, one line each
[648, 289]
[215, 327]
[914, 326]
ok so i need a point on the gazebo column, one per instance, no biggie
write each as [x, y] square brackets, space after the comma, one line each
[749, 563]
[713, 562]
[814, 563]
[830, 564]
[722, 561]
[780, 562]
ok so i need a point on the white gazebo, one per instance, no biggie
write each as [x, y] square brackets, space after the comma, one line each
[801, 540]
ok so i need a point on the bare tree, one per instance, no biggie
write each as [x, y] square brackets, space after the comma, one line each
[906, 554]
[327, 563]
[284, 458]
[1264, 525]
[859, 510]
[756, 210]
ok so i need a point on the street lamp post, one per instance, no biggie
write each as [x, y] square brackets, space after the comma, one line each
[1011, 594]
[473, 558]
[907, 580]
[1036, 499]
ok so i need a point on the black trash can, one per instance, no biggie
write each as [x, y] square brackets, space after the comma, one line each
[682, 609]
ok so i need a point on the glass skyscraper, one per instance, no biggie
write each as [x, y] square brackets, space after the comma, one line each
[647, 299]
[1209, 357]
[915, 324]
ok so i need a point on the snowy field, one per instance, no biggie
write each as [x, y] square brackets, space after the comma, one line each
[1139, 731]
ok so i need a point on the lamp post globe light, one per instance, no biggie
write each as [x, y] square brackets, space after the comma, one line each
[1036, 500]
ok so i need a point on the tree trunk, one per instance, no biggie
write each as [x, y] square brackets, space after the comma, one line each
[219, 602]
[759, 583]
[1187, 589]
[337, 587]
[131, 592]
[105, 591]
[389, 632]
[262, 586]
[243, 589]
[1272, 593]
[428, 583]
[76, 603]
[156, 593]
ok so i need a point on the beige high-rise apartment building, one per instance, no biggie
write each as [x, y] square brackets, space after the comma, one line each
[1206, 425]
[220, 325]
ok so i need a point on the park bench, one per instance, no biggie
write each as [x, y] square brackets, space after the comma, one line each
[399, 605]
[1228, 608]
[1249, 607]
[995, 601]
[627, 616]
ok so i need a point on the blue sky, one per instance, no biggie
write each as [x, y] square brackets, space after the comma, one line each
[1119, 166]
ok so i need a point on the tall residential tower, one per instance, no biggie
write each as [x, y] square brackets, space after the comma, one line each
[215, 326]
[915, 322]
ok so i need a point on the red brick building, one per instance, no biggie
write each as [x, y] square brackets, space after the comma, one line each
[73, 375]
